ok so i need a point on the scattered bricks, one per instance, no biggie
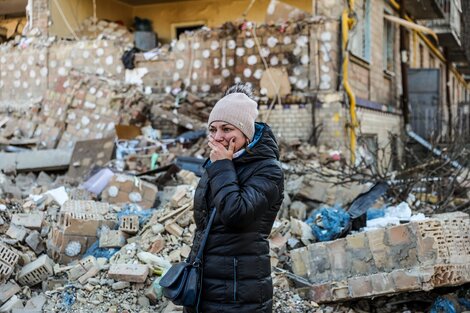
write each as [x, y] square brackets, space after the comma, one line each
[174, 229]
[53, 284]
[151, 294]
[112, 239]
[157, 245]
[28, 220]
[185, 251]
[130, 224]
[90, 273]
[5, 270]
[382, 283]
[33, 240]
[85, 206]
[177, 198]
[81, 268]
[36, 303]
[8, 256]
[37, 271]
[135, 273]
[406, 280]
[14, 302]
[360, 286]
[125, 189]
[16, 232]
[339, 259]
[8, 290]
[120, 285]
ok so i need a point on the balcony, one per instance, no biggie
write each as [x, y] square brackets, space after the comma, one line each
[425, 9]
[448, 29]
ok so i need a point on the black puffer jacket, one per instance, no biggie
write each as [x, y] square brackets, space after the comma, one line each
[247, 193]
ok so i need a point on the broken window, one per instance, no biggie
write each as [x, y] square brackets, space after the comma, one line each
[388, 45]
[360, 35]
[180, 28]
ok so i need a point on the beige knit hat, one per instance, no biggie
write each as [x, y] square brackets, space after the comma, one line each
[237, 109]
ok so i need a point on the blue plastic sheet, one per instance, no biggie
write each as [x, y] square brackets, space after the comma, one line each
[328, 223]
[98, 252]
[375, 213]
[443, 305]
[130, 209]
[68, 296]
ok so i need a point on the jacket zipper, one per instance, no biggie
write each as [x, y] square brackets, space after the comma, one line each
[235, 265]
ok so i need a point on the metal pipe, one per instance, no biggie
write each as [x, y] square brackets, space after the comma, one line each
[404, 68]
[347, 23]
[434, 150]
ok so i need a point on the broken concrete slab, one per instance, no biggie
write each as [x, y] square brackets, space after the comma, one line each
[8, 290]
[28, 220]
[39, 160]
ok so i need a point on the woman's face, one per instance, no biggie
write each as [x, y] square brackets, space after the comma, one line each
[223, 132]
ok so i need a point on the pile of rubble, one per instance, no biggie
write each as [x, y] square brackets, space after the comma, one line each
[111, 207]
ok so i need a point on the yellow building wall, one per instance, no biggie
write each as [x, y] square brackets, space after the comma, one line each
[213, 13]
[75, 11]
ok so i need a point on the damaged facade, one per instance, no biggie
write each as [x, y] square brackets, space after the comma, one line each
[127, 127]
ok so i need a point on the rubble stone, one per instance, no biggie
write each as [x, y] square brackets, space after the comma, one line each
[136, 273]
[35, 272]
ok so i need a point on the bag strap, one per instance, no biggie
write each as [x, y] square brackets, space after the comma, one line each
[198, 258]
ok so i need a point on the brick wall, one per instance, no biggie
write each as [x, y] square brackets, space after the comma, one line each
[289, 122]
[27, 73]
[38, 16]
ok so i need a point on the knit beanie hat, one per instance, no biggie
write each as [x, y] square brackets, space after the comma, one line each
[237, 109]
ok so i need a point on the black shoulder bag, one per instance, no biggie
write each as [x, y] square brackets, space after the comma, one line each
[182, 283]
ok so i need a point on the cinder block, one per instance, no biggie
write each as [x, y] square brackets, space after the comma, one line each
[82, 267]
[8, 256]
[174, 229]
[28, 220]
[135, 273]
[5, 270]
[112, 239]
[130, 224]
[8, 290]
[16, 232]
[37, 271]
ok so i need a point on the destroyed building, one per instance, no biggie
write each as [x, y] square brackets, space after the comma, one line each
[110, 110]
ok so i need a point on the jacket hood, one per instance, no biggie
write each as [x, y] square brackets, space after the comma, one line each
[264, 146]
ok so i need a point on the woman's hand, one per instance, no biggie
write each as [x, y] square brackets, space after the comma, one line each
[219, 152]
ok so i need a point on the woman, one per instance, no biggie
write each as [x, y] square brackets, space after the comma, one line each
[243, 179]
